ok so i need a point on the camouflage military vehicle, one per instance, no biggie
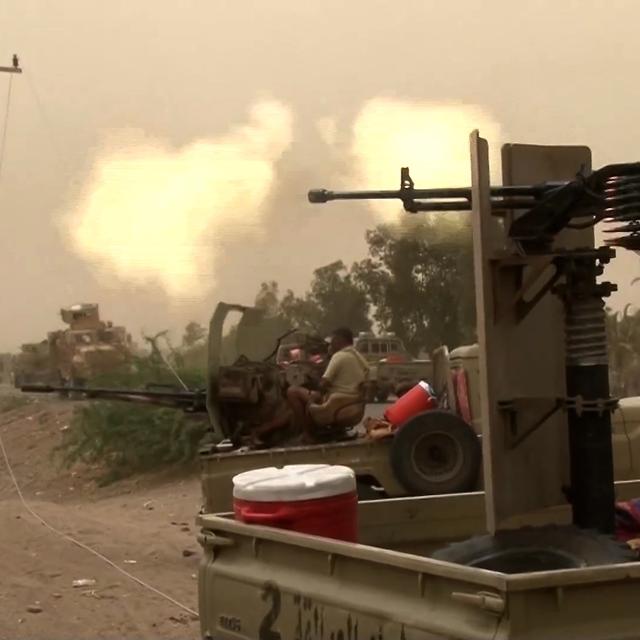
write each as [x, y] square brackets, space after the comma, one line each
[88, 348]
[72, 356]
[533, 557]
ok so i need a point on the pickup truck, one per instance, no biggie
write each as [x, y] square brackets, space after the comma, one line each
[394, 375]
[392, 368]
[376, 462]
[260, 583]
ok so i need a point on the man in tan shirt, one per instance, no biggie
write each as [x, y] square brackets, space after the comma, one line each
[340, 400]
[347, 370]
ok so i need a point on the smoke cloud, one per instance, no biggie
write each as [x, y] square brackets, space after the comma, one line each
[432, 139]
[150, 214]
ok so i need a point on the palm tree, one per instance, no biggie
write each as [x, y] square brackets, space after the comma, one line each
[624, 349]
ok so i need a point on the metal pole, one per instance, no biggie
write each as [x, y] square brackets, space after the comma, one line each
[14, 68]
[587, 375]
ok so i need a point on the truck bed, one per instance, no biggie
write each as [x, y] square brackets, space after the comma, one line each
[370, 459]
[366, 457]
[268, 584]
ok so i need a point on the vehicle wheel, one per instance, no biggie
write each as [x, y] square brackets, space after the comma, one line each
[534, 549]
[436, 452]
[382, 394]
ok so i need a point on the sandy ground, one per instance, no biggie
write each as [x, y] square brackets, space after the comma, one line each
[148, 520]
[144, 525]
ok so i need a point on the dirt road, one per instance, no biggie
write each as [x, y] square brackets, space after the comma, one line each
[144, 526]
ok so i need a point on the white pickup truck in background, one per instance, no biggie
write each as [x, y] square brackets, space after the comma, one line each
[393, 369]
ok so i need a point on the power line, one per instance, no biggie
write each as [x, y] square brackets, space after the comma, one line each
[14, 68]
[5, 124]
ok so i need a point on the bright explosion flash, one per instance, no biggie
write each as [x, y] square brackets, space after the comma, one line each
[150, 214]
[432, 139]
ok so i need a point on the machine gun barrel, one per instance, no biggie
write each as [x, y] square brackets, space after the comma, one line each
[188, 401]
[414, 200]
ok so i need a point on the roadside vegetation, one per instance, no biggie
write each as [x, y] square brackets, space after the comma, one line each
[624, 351]
[122, 438]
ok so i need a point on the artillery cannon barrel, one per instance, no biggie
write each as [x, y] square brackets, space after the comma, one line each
[99, 391]
[188, 400]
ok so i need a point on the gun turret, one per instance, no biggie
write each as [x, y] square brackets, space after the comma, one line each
[187, 401]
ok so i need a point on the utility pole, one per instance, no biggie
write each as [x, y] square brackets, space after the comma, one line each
[14, 68]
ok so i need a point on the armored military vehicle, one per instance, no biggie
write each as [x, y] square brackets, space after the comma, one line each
[89, 347]
[73, 356]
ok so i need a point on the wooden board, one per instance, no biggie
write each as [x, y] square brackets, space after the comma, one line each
[520, 359]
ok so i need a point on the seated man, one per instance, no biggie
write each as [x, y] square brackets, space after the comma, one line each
[340, 399]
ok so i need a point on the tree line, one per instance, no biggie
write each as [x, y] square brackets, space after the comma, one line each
[417, 282]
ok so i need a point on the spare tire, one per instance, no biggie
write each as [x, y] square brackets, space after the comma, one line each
[436, 452]
[534, 549]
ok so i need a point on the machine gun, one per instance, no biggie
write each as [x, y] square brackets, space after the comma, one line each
[610, 194]
[187, 401]
[534, 216]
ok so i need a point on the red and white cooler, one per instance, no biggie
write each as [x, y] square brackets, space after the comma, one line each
[316, 499]
[420, 398]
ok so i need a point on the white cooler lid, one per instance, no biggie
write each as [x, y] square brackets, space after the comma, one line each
[294, 482]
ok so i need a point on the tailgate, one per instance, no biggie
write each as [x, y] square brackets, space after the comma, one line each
[261, 583]
[264, 586]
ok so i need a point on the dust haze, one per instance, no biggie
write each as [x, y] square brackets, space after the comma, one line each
[150, 214]
[158, 155]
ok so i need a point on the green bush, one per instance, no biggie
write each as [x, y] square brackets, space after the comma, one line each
[123, 438]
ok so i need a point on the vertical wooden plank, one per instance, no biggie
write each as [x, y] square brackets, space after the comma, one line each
[519, 359]
[487, 239]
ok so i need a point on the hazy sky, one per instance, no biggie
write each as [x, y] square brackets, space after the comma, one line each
[150, 79]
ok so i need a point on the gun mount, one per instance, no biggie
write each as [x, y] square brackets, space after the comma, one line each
[534, 217]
